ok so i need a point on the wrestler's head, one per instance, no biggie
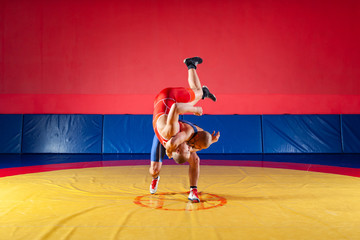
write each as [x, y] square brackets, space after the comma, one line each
[201, 140]
[182, 153]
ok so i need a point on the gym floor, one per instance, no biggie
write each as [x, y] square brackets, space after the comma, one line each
[242, 197]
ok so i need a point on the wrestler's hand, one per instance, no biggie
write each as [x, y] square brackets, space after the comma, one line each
[215, 137]
[199, 111]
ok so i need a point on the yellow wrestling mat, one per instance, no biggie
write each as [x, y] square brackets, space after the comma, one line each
[237, 203]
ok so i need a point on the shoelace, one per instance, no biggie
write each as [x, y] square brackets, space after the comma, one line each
[153, 184]
[194, 191]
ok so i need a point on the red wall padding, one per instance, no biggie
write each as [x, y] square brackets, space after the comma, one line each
[109, 57]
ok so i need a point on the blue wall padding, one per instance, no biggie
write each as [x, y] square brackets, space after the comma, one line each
[351, 133]
[127, 133]
[238, 133]
[10, 133]
[301, 134]
[118, 134]
[62, 134]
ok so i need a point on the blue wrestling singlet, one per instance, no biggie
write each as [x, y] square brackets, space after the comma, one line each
[192, 125]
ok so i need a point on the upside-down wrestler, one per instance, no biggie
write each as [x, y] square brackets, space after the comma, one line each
[168, 105]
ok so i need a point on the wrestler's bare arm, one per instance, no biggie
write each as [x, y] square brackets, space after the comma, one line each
[181, 108]
[175, 141]
[172, 122]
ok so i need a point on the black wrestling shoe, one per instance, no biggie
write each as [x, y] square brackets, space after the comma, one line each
[208, 94]
[192, 62]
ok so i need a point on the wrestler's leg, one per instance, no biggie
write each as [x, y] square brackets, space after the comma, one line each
[194, 82]
[194, 172]
[195, 85]
[155, 168]
[193, 79]
[194, 169]
[157, 154]
[154, 171]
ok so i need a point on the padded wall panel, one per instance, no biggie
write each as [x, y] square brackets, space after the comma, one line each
[10, 133]
[10, 160]
[62, 134]
[127, 134]
[301, 134]
[238, 133]
[351, 133]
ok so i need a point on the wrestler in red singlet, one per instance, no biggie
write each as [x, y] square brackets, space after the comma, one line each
[163, 102]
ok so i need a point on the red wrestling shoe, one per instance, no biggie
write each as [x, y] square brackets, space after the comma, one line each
[154, 185]
[193, 196]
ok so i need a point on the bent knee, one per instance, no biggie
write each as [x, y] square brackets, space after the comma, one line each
[154, 170]
[195, 161]
[198, 92]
